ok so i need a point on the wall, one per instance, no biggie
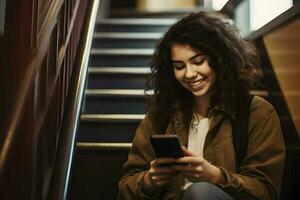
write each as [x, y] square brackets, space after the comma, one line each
[158, 5]
[283, 47]
[37, 53]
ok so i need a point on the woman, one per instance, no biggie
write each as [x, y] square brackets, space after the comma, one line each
[201, 71]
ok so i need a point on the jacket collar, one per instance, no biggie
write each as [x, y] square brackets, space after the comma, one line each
[229, 109]
[177, 125]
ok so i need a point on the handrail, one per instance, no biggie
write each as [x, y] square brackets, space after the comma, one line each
[2, 16]
[67, 142]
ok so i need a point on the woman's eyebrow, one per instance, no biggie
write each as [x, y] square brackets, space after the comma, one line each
[177, 61]
[191, 58]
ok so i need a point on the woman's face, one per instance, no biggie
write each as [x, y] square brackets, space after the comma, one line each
[192, 71]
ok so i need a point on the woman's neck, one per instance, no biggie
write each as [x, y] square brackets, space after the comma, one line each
[201, 106]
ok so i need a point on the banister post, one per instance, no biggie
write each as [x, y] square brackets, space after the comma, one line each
[2, 16]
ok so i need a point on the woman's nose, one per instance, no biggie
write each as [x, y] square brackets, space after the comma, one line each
[190, 73]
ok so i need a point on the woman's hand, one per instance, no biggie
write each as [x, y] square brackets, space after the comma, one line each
[158, 175]
[197, 169]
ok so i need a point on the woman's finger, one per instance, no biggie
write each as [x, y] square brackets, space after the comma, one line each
[183, 168]
[186, 152]
[162, 171]
[188, 168]
[192, 160]
[161, 161]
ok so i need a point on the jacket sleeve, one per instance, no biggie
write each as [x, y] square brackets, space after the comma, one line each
[139, 157]
[261, 170]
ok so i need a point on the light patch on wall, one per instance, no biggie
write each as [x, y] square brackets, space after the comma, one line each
[2, 16]
[159, 5]
[261, 12]
[218, 4]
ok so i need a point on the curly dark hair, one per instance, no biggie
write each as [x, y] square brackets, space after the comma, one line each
[233, 59]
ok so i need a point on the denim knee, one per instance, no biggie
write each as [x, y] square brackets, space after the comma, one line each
[205, 191]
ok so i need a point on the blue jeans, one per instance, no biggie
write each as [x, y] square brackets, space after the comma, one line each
[205, 191]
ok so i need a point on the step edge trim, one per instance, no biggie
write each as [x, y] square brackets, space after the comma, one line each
[128, 35]
[120, 70]
[112, 117]
[103, 146]
[118, 92]
[122, 52]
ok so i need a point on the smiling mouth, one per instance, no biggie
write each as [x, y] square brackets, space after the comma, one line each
[197, 83]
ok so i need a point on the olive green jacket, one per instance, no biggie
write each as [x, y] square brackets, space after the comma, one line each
[260, 173]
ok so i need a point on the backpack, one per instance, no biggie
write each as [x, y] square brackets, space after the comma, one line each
[240, 130]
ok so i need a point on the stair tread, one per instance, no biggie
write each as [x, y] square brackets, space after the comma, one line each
[127, 35]
[112, 117]
[117, 92]
[120, 70]
[103, 145]
[141, 92]
[127, 51]
[137, 21]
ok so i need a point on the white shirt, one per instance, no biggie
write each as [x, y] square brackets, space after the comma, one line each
[197, 135]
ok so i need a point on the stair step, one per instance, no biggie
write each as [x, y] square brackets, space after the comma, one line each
[125, 40]
[121, 57]
[116, 101]
[122, 81]
[122, 52]
[137, 21]
[172, 13]
[110, 128]
[120, 70]
[110, 132]
[115, 105]
[103, 146]
[118, 77]
[118, 93]
[128, 35]
[134, 25]
[142, 93]
[112, 117]
[94, 169]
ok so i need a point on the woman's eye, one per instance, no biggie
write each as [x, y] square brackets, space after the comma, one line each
[199, 62]
[178, 67]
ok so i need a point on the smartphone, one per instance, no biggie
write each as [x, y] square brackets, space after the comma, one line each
[166, 146]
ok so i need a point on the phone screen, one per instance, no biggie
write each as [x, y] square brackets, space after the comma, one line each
[166, 146]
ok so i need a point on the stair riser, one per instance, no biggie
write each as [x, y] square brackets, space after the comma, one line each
[115, 105]
[120, 81]
[131, 28]
[96, 174]
[123, 43]
[107, 131]
[120, 60]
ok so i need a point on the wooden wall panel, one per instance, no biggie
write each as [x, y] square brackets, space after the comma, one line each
[283, 46]
[43, 7]
[40, 46]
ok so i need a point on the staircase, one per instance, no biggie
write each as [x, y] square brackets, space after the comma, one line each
[115, 102]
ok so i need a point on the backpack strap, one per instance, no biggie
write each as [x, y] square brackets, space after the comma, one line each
[240, 130]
